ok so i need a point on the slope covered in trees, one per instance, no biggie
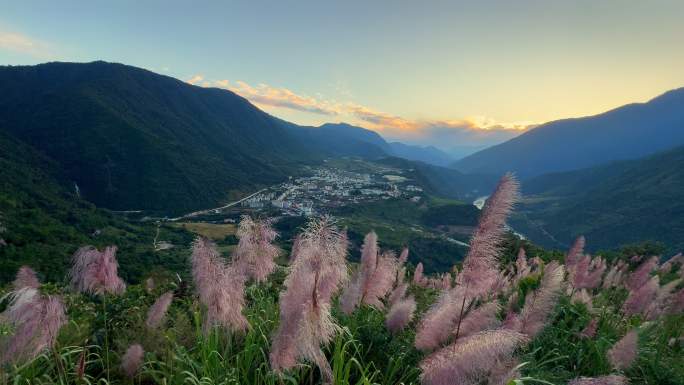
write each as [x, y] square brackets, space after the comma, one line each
[616, 204]
[44, 221]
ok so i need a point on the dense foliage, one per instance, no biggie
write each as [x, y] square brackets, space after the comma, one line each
[616, 204]
[43, 223]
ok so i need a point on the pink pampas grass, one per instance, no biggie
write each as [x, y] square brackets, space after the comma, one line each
[418, 277]
[439, 321]
[26, 277]
[504, 372]
[375, 278]
[381, 280]
[37, 320]
[642, 274]
[96, 272]
[590, 330]
[676, 302]
[640, 298]
[255, 253]
[132, 360]
[575, 253]
[400, 314]
[623, 354]
[480, 266]
[540, 303]
[398, 293]
[316, 274]
[220, 287]
[469, 360]
[615, 275]
[157, 312]
[479, 319]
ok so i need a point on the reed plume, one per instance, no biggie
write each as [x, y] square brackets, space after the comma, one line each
[539, 304]
[316, 274]
[470, 360]
[641, 274]
[640, 298]
[480, 319]
[504, 372]
[96, 272]
[590, 330]
[400, 314]
[418, 277]
[220, 287]
[676, 304]
[255, 252]
[36, 319]
[623, 354]
[441, 319]
[480, 266]
[132, 360]
[398, 293]
[25, 278]
[575, 253]
[374, 279]
[157, 312]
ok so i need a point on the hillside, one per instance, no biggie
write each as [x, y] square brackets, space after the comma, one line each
[338, 140]
[132, 139]
[427, 154]
[627, 132]
[619, 203]
[446, 182]
[346, 139]
[45, 222]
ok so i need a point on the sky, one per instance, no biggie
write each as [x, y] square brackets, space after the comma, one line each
[445, 73]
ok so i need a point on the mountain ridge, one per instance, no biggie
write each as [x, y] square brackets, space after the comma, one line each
[575, 143]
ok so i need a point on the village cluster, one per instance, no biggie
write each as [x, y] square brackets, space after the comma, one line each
[330, 187]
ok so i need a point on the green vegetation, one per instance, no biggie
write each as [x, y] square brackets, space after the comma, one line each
[45, 223]
[622, 203]
[363, 352]
[401, 222]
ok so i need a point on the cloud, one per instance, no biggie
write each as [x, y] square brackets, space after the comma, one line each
[474, 130]
[265, 95]
[19, 43]
[195, 79]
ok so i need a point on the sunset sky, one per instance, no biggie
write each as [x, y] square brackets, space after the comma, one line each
[446, 73]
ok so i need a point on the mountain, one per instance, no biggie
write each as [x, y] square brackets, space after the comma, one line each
[133, 139]
[43, 222]
[443, 181]
[333, 136]
[627, 132]
[614, 204]
[461, 151]
[339, 140]
[427, 154]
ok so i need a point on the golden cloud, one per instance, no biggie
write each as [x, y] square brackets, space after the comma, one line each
[17, 42]
[265, 95]
[195, 79]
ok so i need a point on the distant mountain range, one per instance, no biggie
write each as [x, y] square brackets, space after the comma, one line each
[613, 204]
[126, 138]
[426, 154]
[341, 135]
[627, 132]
